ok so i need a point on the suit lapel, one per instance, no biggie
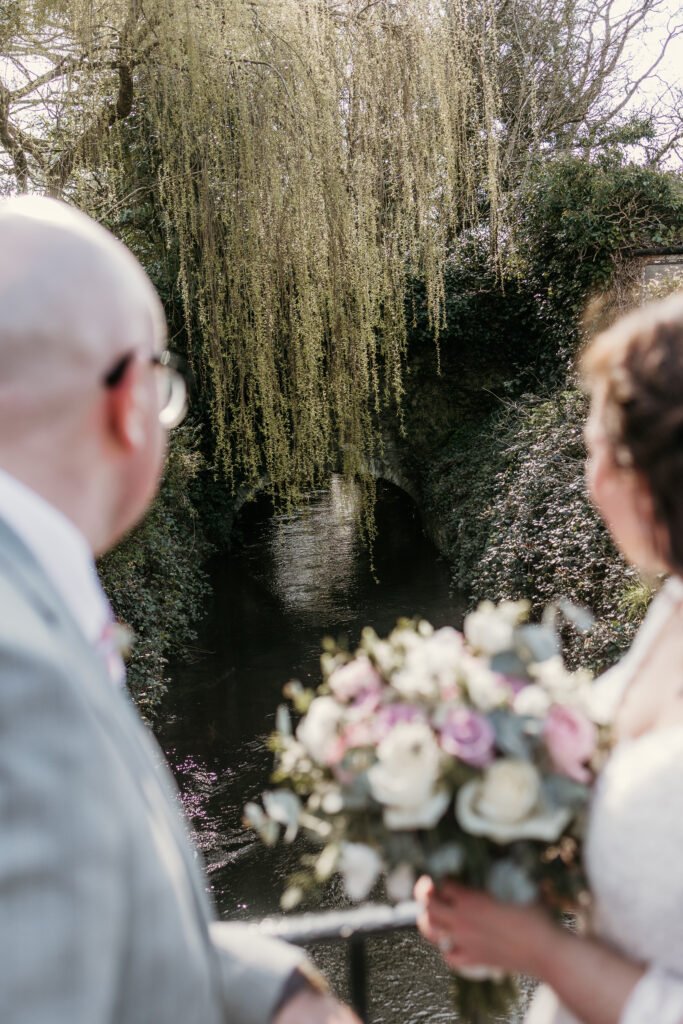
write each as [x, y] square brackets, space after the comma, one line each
[114, 710]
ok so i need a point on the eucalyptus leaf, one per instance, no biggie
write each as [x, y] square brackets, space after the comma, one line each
[509, 663]
[283, 720]
[513, 734]
[580, 617]
[561, 791]
[284, 807]
[536, 643]
[267, 829]
[447, 860]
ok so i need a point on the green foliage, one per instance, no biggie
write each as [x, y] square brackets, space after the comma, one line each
[523, 525]
[635, 599]
[154, 578]
[503, 482]
[297, 163]
[283, 170]
[307, 158]
[578, 219]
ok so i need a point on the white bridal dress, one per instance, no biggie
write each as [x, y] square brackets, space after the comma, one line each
[634, 848]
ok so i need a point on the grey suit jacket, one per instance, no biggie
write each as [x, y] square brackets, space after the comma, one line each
[103, 910]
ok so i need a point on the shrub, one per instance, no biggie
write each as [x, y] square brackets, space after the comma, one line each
[504, 484]
[537, 535]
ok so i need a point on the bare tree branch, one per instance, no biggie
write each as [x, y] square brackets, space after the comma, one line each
[61, 170]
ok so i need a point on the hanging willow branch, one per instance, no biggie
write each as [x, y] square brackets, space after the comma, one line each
[314, 157]
[309, 159]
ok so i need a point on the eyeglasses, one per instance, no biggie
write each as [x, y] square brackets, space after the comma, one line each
[171, 386]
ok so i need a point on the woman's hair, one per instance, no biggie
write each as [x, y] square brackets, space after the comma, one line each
[637, 365]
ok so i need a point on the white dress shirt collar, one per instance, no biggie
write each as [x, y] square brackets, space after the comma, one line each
[62, 552]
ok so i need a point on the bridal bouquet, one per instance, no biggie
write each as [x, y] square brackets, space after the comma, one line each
[468, 755]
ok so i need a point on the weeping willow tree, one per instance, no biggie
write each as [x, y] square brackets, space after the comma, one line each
[306, 160]
[314, 157]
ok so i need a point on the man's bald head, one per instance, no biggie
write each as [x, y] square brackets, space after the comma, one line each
[73, 303]
[72, 300]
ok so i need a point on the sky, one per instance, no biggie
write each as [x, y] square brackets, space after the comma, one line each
[644, 50]
[641, 54]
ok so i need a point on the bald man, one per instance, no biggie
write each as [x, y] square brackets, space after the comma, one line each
[104, 917]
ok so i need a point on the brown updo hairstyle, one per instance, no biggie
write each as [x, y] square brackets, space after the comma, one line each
[637, 366]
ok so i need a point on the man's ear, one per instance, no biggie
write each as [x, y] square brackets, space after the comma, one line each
[126, 408]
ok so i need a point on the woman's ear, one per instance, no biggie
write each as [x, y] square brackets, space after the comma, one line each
[126, 413]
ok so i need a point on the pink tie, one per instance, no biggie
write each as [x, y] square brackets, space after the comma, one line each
[109, 646]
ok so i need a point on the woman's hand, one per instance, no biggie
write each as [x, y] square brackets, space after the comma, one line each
[591, 979]
[471, 928]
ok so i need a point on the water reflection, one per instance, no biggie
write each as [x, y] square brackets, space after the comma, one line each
[313, 555]
[290, 580]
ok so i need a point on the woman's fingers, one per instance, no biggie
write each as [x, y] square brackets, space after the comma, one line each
[451, 892]
[424, 888]
[441, 915]
[428, 929]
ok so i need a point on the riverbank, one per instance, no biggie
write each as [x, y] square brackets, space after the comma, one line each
[289, 579]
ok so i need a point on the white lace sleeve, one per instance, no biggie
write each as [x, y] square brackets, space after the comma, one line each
[658, 997]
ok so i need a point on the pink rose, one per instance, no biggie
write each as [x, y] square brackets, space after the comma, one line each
[356, 677]
[365, 704]
[361, 733]
[469, 737]
[570, 738]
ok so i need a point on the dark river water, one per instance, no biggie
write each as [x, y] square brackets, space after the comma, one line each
[289, 581]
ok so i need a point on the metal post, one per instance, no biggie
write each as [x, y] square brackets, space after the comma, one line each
[358, 975]
[353, 927]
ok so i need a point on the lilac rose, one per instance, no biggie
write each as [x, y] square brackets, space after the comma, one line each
[469, 737]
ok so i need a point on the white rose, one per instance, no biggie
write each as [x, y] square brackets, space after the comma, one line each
[292, 755]
[485, 688]
[443, 654]
[558, 681]
[318, 730]
[360, 867]
[509, 791]
[505, 805]
[424, 815]
[405, 775]
[354, 678]
[430, 665]
[407, 765]
[415, 682]
[532, 700]
[490, 628]
[400, 883]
